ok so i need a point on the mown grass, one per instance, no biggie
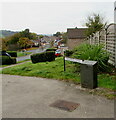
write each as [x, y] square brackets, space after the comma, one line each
[55, 70]
[107, 81]
[45, 69]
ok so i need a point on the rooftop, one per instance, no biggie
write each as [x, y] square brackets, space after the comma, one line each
[74, 33]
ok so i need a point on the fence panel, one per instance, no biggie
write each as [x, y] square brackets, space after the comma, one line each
[102, 37]
[111, 43]
[108, 38]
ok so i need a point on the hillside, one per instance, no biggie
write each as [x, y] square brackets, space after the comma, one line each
[5, 33]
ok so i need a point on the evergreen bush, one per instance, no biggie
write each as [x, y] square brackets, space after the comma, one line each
[12, 53]
[43, 57]
[68, 53]
[51, 49]
[6, 60]
[50, 56]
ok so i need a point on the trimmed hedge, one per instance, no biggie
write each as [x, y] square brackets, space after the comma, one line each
[12, 53]
[14, 61]
[6, 60]
[68, 53]
[50, 56]
[51, 49]
[43, 57]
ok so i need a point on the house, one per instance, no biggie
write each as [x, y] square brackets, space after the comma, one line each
[75, 37]
[35, 43]
[57, 42]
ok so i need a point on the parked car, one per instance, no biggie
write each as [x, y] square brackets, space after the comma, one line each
[58, 52]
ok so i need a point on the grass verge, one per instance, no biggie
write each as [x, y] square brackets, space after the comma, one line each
[55, 70]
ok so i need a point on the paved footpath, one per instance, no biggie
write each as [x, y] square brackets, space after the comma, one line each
[30, 97]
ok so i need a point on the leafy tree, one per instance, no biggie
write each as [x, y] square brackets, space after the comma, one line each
[94, 23]
[64, 37]
[22, 38]
[57, 34]
[23, 42]
[25, 33]
[3, 45]
[33, 36]
[41, 36]
[13, 39]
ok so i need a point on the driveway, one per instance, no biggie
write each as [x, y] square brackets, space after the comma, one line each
[31, 97]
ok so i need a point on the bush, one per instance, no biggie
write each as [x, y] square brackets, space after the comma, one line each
[43, 57]
[6, 60]
[12, 53]
[92, 52]
[39, 57]
[50, 56]
[51, 49]
[14, 61]
[68, 53]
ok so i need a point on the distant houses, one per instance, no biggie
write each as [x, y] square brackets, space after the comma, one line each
[75, 37]
[35, 43]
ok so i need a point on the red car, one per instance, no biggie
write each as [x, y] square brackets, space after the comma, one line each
[58, 53]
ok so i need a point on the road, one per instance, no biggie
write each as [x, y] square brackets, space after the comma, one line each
[31, 97]
[39, 50]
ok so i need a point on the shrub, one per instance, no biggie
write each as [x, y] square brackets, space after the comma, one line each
[43, 57]
[6, 60]
[14, 61]
[50, 56]
[68, 53]
[92, 52]
[51, 49]
[12, 53]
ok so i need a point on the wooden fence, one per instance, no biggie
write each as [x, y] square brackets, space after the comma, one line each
[107, 37]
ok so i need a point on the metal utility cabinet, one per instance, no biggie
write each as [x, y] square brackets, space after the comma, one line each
[89, 74]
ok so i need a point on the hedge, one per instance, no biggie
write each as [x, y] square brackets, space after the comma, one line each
[12, 53]
[6, 60]
[43, 57]
[68, 53]
[14, 61]
[51, 49]
[50, 56]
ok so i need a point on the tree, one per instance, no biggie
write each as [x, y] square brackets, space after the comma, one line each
[33, 36]
[23, 42]
[41, 36]
[94, 23]
[64, 37]
[13, 39]
[3, 45]
[57, 34]
[22, 38]
[25, 33]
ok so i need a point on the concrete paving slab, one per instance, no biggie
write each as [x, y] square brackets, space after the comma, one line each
[31, 97]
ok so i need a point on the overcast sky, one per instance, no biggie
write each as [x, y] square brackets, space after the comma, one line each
[50, 17]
